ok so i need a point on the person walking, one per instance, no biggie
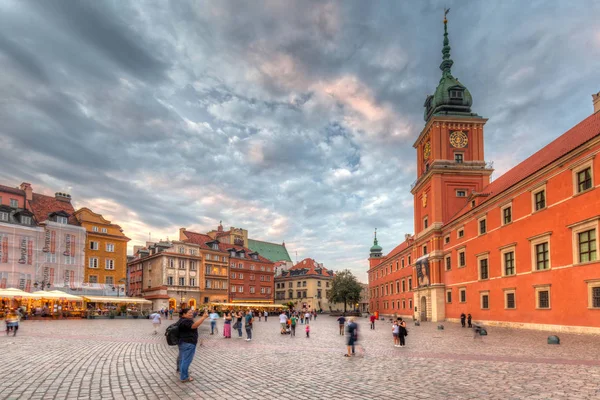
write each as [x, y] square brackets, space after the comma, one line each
[239, 316]
[469, 320]
[307, 329]
[462, 319]
[293, 322]
[396, 333]
[12, 322]
[213, 322]
[341, 321]
[266, 315]
[171, 313]
[403, 332]
[315, 314]
[188, 339]
[227, 325]
[248, 320]
[352, 329]
[307, 316]
[283, 321]
[156, 321]
[260, 314]
[372, 319]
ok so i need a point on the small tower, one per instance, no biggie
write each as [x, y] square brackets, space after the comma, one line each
[375, 252]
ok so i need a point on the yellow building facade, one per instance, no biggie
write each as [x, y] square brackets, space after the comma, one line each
[105, 249]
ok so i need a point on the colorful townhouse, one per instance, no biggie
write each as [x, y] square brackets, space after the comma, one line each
[519, 251]
[105, 250]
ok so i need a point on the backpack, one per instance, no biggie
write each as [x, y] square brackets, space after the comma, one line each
[172, 334]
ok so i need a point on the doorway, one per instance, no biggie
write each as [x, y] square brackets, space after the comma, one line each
[423, 308]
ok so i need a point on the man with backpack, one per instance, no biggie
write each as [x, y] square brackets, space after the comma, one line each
[184, 333]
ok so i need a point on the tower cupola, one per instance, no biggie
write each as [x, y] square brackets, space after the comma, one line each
[451, 97]
[376, 250]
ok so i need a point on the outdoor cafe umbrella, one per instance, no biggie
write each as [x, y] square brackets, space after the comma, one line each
[11, 293]
[66, 296]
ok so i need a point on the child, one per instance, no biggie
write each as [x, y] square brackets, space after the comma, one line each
[396, 333]
[307, 330]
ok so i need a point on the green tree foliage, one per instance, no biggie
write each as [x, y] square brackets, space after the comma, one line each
[345, 289]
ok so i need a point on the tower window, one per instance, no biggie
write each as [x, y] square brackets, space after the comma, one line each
[456, 94]
[458, 158]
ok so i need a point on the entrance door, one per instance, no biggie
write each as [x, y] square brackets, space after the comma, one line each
[172, 303]
[423, 308]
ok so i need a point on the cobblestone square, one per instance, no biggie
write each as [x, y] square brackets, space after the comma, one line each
[123, 359]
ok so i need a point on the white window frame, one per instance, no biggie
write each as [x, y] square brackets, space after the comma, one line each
[506, 292]
[181, 279]
[481, 294]
[576, 229]
[458, 252]
[233, 275]
[484, 218]
[233, 289]
[591, 284]
[109, 280]
[94, 245]
[536, 191]
[458, 232]
[26, 220]
[579, 168]
[542, 288]
[104, 230]
[504, 207]
[240, 275]
[459, 191]
[110, 247]
[462, 290]
[14, 203]
[170, 280]
[3, 216]
[94, 229]
[192, 281]
[508, 249]
[481, 257]
[109, 264]
[533, 242]
[93, 278]
[262, 290]
[62, 220]
[252, 289]
[93, 262]
[241, 289]
[448, 265]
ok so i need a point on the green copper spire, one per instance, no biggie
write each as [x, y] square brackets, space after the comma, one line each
[451, 98]
[447, 61]
[376, 248]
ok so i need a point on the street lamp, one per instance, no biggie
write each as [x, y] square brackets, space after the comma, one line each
[43, 284]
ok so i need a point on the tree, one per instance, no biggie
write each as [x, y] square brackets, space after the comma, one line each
[345, 288]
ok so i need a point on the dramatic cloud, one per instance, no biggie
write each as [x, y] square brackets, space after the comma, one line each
[294, 120]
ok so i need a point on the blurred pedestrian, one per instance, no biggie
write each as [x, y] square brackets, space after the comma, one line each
[372, 319]
[12, 322]
[156, 321]
[462, 319]
[307, 329]
[341, 321]
[213, 322]
[403, 332]
[469, 320]
[352, 330]
[227, 325]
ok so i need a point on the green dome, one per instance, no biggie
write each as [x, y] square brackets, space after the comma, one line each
[451, 97]
[376, 248]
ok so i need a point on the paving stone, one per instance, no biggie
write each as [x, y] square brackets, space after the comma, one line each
[122, 359]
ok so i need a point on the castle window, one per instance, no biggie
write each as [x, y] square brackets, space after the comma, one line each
[458, 158]
[461, 193]
[456, 94]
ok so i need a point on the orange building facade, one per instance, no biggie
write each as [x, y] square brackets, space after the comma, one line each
[519, 251]
[105, 250]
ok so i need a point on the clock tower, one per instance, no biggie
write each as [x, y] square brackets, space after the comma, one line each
[451, 172]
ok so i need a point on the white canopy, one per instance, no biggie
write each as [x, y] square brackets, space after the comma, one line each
[11, 293]
[55, 295]
[113, 299]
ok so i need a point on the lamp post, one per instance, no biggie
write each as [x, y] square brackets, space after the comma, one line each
[181, 293]
[118, 288]
[43, 284]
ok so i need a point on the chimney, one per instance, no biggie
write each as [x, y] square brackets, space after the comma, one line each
[26, 187]
[596, 100]
[63, 197]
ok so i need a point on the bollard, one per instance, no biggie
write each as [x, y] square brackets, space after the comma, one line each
[553, 339]
[417, 323]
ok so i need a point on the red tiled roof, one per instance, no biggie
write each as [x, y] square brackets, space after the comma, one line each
[8, 189]
[567, 142]
[311, 265]
[201, 239]
[42, 206]
[397, 250]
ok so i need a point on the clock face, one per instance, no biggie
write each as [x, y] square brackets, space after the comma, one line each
[427, 150]
[458, 139]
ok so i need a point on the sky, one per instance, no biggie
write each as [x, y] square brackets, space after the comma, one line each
[293, 120]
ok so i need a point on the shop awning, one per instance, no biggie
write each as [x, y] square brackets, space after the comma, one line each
[255, 305]
[11, 293]
[112, 299]
[55, 295]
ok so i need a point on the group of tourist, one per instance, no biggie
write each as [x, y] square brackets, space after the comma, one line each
[289, 320]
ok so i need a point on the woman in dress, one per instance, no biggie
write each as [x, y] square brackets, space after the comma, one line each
[227, 325]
